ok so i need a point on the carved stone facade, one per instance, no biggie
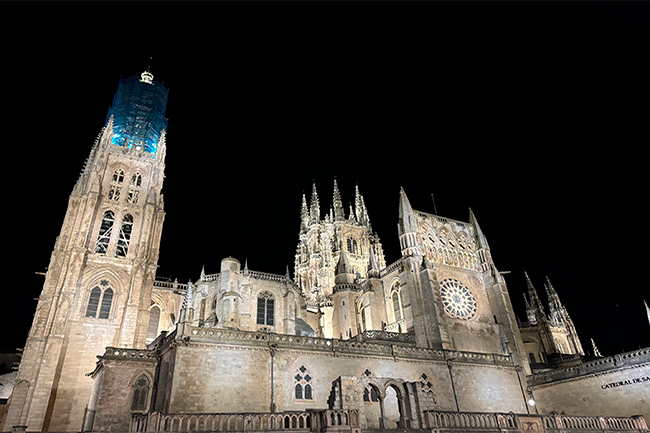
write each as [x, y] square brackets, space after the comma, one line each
[349, 343]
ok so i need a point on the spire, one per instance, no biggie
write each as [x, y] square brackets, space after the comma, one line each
[304, 214]
[647, 310]
[530, 312]
[360, 208]
[314, 206]
[339, 213]
[596, 351]
[202, 273]
[344, 272]
[407, 222]
[187, 304]
[553, 308]
[373, 265]
[482, 241]
[536, 303]
[246, 266]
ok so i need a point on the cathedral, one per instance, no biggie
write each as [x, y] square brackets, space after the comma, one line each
[349, 343]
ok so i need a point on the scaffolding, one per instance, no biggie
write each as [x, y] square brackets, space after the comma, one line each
[138, 114]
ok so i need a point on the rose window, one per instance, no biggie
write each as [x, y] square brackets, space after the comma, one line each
[457, 299]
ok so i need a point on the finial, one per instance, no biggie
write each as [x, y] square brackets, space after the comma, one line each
[596, 351]
[147, 76]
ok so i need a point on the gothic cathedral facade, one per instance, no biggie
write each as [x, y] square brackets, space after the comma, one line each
[436, 326]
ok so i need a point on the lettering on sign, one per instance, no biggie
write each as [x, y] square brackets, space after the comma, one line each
[626, 382]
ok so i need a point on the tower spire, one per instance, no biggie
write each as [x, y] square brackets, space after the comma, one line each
[536, 303]
[304, 214]
[339, 213]
[314, 206]
[647, 310]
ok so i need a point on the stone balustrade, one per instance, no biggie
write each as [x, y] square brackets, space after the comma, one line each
[401, 346]
[635, 357]
[170, 285]
[439, 422]
[310, 420]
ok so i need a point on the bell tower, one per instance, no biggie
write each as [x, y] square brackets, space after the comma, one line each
[100, 277]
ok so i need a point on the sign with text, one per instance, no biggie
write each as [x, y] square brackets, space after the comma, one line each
[641, 379]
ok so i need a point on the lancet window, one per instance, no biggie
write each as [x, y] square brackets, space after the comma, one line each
[140, 393]
[396, 298]
[136, 183]
[265, 308]
[154, 320]
[105, 232]
[116, 187]
[303, 384]
[100, 298]
[125, 236]
[370, 394]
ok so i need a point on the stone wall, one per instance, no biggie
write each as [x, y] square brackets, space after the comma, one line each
[230, 371]
[613, 386]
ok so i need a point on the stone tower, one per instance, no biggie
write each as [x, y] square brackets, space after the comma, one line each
[319, 249]
[99, 282]
[552, 336]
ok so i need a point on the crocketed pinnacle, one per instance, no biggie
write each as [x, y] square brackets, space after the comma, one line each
[339, 213]
[314, 206]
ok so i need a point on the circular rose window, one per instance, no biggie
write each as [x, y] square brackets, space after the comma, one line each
[457, 299]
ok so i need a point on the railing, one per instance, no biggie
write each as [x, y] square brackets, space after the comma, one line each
[470, 420]
[379, 347]
[385, 336]
[464, 421]
[316, 420]
[601, 364]
[174, 285]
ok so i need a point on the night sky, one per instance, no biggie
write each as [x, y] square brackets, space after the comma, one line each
[535, 117]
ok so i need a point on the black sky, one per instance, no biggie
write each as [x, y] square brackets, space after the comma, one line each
[534, 116]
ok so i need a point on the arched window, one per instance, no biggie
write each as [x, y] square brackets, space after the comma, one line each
[116, 188]
[105, 232]
[303, 384]
[107, 300]
[355, 247]
[93, 302]
[370, 394]
[125, 236]
[397, 303]
[101, 299]
[140, 393]
[265, 307]
[349, 245]
[154, 319]
[532, 358]
[136, 182]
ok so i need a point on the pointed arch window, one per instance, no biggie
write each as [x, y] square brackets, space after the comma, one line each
[116, 188]
[105, 232]
[101, 298]
[125, 236]
[154, 320]
[136, 183]
[265, 308]
[140, 393]
[396, 297]
[304, 381]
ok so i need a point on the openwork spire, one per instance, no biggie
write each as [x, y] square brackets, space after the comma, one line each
[339, 213]
[535, 302]
[304, 214]
[647, 310]
[314, 206]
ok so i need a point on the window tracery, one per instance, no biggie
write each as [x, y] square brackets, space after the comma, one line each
[136, 183]
[100, 299]
[303, 385]
[105, 232]
[370, 394]
[140, 393]
[458, 301]
[116, 188]
[265, 308]
[125, 236]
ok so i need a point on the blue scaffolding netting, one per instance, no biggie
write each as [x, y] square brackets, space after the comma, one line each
[138, 114]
